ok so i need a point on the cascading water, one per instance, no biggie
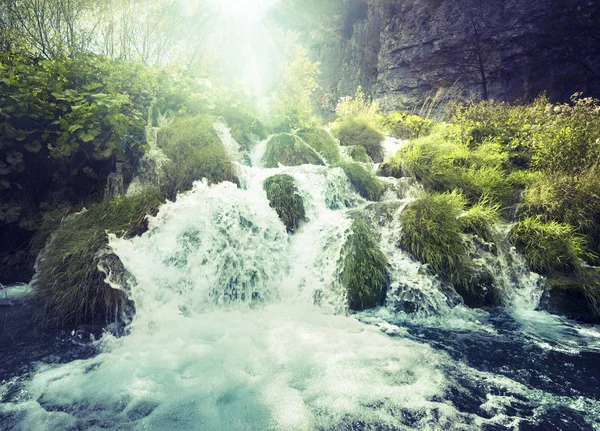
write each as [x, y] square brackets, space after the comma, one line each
[241, 326]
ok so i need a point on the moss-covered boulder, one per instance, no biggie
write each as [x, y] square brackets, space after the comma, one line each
[359, 131]
[364, 268]
[289, 150]
[196, 152]
[576, 296]
[69, 287]
[322, 142]
[358, 154]
[364, 181]
[283, 196]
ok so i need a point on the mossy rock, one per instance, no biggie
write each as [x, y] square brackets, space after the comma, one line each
[364, 181]
[358, 154]
[283, 196]
[574, 296]
[289, 150]
[477, 287]
[322, 142]
[432, 234]
[391, 168]
[364, 271]
[69, 289]
[357, 131]
[196, 151]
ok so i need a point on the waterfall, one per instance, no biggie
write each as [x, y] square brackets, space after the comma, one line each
[240, 325]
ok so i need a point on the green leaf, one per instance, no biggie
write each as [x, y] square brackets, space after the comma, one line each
[33, 147]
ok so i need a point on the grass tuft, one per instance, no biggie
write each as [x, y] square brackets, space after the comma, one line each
[364, 181]
[358, 131]
[432, 232]
[549, 247]
[196, 152]
[322, 142]
[289, 150]
[364, 268]
[69, 288]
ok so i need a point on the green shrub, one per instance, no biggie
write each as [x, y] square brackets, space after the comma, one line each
[364, 181]
[364, 271]
[322, 142]
[283, 196]
[358, 131]
[69, 288]
[358, 154]
[432, 232]
[568, 140]
[480, 219]
[548, 247]
[289, 150]
[406, 126]
[196, 152]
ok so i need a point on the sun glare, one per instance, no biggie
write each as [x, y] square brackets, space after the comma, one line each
[249, 10]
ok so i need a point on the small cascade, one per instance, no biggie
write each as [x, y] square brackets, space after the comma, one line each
[150, 170]
[114, 183]
[520, 289]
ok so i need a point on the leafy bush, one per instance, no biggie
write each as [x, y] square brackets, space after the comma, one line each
[289, 150]
[548, 247]
[364, 271]
[358, 131]
[364, 181]
[65, 123]
[357, 107]
[196, 152]
[283, 196]
[568, 138]
[407, 126]
[432, 232]
[69, 289]
[322, 142]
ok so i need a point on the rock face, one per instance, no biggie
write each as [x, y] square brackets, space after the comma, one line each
[403, 52]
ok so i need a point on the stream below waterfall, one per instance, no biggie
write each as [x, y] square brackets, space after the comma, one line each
[241, 326]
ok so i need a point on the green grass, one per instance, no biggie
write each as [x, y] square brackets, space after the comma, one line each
[70, 290]
[283, 196]
[548, 247]
[364, 181]
[322, 142]
[569, 199]
[358, 131]
[364, 268]
[432, 232]
[289, 150]
[196, 152]
[443, 164]
[480, 220]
